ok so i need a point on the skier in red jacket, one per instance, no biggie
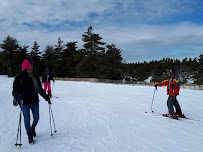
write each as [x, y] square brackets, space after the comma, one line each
[173, 88]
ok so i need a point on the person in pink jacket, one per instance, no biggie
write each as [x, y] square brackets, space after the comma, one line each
[46, 78]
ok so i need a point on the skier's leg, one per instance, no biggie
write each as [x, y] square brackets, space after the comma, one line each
[35, 112]
[26, 113]
[170, 105]
[177, 106]
[45, 86]
[49, 87]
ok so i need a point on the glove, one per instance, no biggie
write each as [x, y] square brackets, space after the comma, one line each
[49, 101]
[172, 85]
[15, 102]
[155, 86]
[20, 97]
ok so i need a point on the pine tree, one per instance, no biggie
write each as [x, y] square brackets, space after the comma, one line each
[59, 47]
[87, 68]
[199, 75]
[93, 44]
[111, 66]
[36, 58]
[12, 55]
[93, 50]
[3, 69]
[48, 57]
[58, 57]
[69, 59]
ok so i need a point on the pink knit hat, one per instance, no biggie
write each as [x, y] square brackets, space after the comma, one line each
[26, 64]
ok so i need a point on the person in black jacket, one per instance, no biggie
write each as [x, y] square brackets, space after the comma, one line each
[26, 87]
[46, 78]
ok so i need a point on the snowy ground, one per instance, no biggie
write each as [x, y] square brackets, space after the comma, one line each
[100, 117]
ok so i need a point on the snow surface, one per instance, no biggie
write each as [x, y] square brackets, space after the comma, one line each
[96, 117]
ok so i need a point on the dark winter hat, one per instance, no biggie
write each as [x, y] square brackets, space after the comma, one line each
[172, 71]
[47, 70]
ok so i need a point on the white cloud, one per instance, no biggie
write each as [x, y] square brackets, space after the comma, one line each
[51, 11]
[147, 42]
[125, 23]
[151, 36]
[56, 11]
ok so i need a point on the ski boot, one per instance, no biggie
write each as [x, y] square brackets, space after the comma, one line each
[33, 131]
[174, 117]
[30, 137]
[180, 115]
[166, 115]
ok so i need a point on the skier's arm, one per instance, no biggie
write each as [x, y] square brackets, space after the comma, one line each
[42, 93]
[16, 87]
[51, 77]
[165, 82]
[43, 78]
[45, 96]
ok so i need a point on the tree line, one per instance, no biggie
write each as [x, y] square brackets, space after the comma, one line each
[189, 70]
[97, 59]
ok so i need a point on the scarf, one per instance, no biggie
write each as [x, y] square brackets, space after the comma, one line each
[35, 83]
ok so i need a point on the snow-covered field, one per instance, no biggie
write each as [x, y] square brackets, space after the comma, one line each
[96, 117]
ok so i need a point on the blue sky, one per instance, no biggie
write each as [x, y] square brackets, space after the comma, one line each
[144, 29]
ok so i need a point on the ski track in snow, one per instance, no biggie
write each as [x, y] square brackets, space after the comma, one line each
[96, 117]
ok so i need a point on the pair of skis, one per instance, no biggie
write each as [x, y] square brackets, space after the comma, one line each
[185, 119]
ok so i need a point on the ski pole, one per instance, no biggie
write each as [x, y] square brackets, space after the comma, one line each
[52, 88]
[19, 131]
[53, 118]
[153, 99]
[50, 119]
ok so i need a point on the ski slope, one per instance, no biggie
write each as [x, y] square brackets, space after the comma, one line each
[96, 117]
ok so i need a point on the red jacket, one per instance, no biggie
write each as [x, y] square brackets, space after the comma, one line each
[172, 91]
